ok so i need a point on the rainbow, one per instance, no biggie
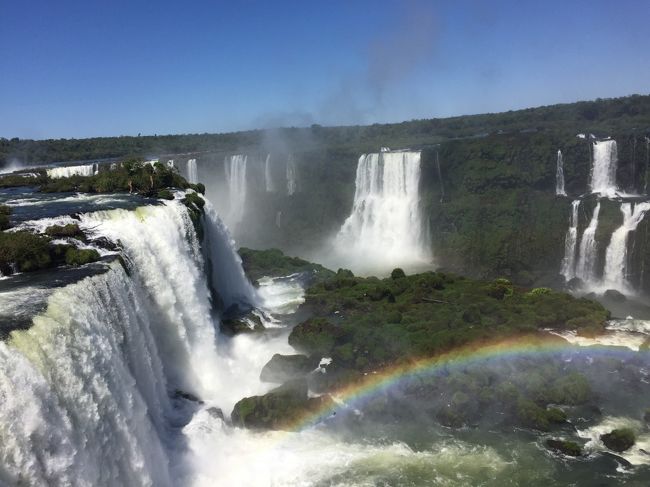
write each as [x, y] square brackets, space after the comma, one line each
[381, 381]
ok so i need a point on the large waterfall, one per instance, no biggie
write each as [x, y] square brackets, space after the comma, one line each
[616, 264]
[85, 391]
[559, 175]
[192, 171]
[68, 171]
[587, 257]
[569, 262]
[603, 172]
[235, 167]
[385, 228]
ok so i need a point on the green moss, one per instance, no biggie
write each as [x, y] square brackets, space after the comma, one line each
[74, 256]
[570, 448]
[71, 230]
[619, 440]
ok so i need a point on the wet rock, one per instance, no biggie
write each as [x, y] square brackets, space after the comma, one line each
[246, 323]
[216, 413]
[575, 284]
[188, 396]
[619, 440]
[570, 448]
[285, 367]
[280, 408]
[614, 295]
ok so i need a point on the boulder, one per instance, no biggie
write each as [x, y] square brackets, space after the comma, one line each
[615, 295]
[278, 409]
[570, 448]
[246, 323]
[285, 367]
[619, 440]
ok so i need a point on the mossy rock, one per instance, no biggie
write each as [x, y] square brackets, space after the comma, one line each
[619, 440]
[248, 323]
[316, 336]
[285, 367]
[5, 213]
[70, 230]
[279, 409]
[165, 194]
[569, 448]
[74, 256]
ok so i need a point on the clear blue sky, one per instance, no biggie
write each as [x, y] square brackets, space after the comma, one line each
[89, 68]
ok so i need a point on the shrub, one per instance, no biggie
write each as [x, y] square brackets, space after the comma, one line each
[71, 230]
[5, 211]
[397, 273]
[24, 250]
[74, 256]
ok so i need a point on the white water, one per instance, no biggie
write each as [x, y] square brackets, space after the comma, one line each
[292, 178]
[570, 240]
[226, 272]
[603, 172]
[268, 176]
[587, 256]
[616, 272]
[559, 175]
[386, 227]
[84, 393]
[68, 171]
[235, 167]
[636, 455]
[192, 171]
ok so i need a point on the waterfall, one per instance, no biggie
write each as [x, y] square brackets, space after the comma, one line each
[615, 275]
[603, 172]
[559, 175]
[268, 177]
[192, 171]
[235, 166]
[586, 265]
[292, 184]
[385, 228]
[69, 171]
[86, 390]
[83, 391]
[569, 262]
[225, 267]
[442, 187]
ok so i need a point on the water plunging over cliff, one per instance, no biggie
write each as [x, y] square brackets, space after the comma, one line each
[587, 256]
[569, 262]
[235, 167]
[385, 228]
[559, 175]
[268, 175]
[68, 171]
[616, 265]
[192, 171]
[603, 172]
[292, 183]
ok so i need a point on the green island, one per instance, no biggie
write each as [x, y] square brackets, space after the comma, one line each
[367, 325]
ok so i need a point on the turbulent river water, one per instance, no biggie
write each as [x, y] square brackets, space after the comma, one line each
[118, 375]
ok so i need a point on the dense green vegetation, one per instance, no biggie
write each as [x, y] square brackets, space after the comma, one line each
[5, 214]
[273, 262]
[600, 116]
[366, 323]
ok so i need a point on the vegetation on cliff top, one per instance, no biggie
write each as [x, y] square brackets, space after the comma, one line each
[274, 263]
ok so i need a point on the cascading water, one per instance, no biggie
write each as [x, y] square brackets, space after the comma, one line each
[587, 257]
[292, 184]
[647, 165]
[385, 228]
[559, 175]
[268, 176]
[84, 394]
[235, 166]
[615, 275]
[68, 171]
[226, 272]
[569, 262]
[603, 172]
[192, 171]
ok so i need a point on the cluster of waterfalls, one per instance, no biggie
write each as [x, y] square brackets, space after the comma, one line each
[583, 253]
